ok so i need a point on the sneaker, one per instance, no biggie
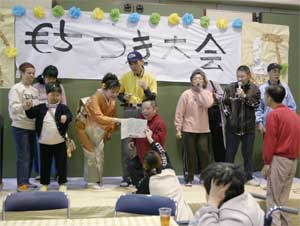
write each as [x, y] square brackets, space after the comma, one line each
[95, 186]
[32, 185]
[253, 182]
[23, 188]
[44, 188]
[188, 184]
[62, 188]
[125, 183]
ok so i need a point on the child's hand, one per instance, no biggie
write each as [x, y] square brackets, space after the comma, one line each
[148, 133]
[63, 119]
[27, 104]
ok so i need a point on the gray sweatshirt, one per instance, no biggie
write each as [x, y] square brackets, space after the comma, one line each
[242, 210]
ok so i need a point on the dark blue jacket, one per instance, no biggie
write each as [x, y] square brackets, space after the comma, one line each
[39, 111]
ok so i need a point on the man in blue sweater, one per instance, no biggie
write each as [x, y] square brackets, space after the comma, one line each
[263, 110]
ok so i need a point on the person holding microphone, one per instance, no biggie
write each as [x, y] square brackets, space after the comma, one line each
[191, 122]
[242, 98]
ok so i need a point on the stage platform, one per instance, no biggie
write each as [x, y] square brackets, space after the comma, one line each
[88, 203]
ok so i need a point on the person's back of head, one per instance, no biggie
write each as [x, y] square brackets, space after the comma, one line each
[152, 163]
[276, 92]
[225, 173]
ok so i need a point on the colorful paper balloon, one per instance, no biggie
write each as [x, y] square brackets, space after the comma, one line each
[134, 18]
[39, 12]
[115, 14]
[10, 52]
[204, 21]
[222, 24]
[18, 10]
[98, 14]
[237, 23]
[154, 18]
[58, 11]
[187, 19]
[174, 19]
[74, 12]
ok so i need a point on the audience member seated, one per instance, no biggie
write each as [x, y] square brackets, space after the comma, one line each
[228, 204]
[163, 180]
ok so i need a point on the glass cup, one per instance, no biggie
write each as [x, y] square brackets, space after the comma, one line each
[165, 214]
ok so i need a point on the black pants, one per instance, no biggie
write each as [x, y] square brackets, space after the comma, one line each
[217, 144]
[233, 142]
[136, 171]
[58, 151]
[215, 126]
[194, 144]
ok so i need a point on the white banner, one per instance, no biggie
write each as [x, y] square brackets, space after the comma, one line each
[85, 48]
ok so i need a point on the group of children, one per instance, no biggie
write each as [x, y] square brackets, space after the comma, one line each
[39, 115]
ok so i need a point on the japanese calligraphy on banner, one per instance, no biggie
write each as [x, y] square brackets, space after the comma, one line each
[87, 49]
[7, 37]
[263, 44]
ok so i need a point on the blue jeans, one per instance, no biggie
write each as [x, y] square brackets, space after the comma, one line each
[25, 147]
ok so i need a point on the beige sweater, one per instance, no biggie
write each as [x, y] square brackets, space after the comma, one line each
[166, 184]
[191, 111]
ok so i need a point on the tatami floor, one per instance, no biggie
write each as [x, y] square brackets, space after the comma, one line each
[88, 203]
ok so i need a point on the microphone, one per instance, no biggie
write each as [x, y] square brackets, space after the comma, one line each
[239, 84]
[239, 87]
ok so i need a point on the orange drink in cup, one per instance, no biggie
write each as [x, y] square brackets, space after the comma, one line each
[165, 214]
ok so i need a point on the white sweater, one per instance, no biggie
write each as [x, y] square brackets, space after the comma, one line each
[16, 97]
[167, 184]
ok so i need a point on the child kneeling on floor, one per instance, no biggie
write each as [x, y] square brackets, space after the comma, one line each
[52, 121]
